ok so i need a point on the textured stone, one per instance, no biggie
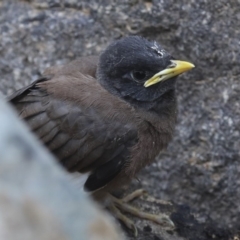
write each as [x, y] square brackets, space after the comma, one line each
[201, 166]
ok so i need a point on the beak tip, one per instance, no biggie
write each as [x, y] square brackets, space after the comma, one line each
[180, 67]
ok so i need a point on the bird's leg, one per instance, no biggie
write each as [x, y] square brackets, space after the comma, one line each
[117, 206]
[136, 194]
[124, 219]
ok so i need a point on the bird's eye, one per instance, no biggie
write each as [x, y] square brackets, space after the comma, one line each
[138, 75]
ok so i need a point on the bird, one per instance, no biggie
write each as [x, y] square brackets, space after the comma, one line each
[107, 116]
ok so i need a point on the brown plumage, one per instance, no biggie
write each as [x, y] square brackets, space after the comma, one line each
[100, 116]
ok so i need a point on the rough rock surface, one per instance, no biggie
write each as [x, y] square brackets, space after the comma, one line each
[201, 166]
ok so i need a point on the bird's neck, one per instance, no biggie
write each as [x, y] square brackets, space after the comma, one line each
[161, 113]
[164, 104]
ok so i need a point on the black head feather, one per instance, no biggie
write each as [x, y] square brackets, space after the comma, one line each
[127, 63]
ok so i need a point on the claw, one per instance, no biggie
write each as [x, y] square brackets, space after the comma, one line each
[135, 231]
[118, 205]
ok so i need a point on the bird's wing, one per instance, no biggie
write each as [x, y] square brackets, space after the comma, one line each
[87, 128]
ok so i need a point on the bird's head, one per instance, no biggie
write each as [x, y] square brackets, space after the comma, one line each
[139, 71]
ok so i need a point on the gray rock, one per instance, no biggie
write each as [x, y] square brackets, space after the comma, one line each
[201, 166]
[38, 200]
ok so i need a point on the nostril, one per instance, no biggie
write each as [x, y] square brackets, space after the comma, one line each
[172, 65]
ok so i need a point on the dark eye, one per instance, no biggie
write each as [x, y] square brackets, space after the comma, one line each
[138, 75]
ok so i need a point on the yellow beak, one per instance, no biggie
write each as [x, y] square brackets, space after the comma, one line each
[177, 67]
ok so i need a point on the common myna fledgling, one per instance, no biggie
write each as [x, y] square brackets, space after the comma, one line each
[108, 116]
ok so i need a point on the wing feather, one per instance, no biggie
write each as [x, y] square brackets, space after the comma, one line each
[87, 128]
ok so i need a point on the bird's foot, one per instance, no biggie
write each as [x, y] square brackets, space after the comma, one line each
[117, 206]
